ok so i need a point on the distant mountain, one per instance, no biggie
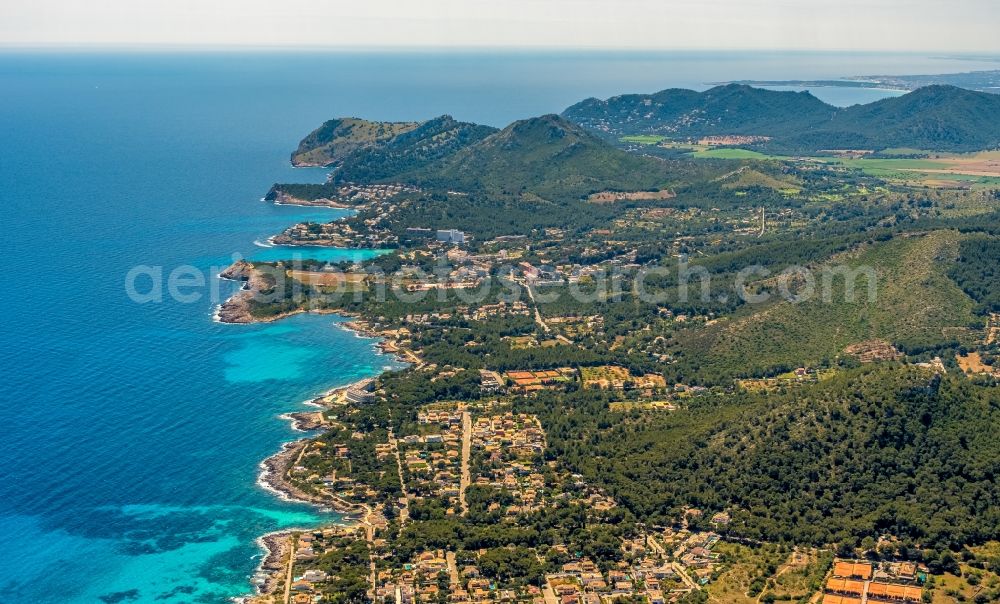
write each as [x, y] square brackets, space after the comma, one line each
[336, 138]
[410, 151]
[941, 118]
[547, 156]
[730, 109]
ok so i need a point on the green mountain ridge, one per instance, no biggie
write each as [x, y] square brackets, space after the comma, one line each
[539, 158]
[939, 117]
[547, 156]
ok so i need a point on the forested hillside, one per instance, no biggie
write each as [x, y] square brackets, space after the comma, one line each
[976, 271]
[410, 151]
[914, 306]
[877, 449]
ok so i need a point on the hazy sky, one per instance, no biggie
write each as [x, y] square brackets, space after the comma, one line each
[940, 25]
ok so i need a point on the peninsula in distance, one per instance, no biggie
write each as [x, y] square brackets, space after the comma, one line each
[983, 81]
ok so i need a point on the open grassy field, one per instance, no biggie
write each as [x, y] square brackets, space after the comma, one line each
[615, 196]
[936, 169]
[747, 178]
[642, 139]
[521, 342]
[889, 164]
[974, 584]
[972, 363]
[935, 179]
[984, 163]
[784, 380]
[939, 170]
[604, 376]
[328, 278]
[801, 575]
[745, 572]
[903, 151]
[625, 406]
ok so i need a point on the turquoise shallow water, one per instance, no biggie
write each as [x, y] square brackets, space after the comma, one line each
[133, 432]
[148, 485]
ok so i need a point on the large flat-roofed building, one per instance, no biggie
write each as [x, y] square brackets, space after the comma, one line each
[490, 381]
[450, 236]
[361, 392]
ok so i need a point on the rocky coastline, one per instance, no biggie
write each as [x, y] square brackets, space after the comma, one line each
[274, 469]
[273, 478]
[237, 308]
[305, 421]
[276, 545]
[288, 241]
[277, 550]
[282, 198]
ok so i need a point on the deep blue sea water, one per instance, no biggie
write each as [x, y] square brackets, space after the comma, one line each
[132, 432]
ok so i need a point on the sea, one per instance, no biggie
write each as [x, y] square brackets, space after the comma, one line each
[133, 424]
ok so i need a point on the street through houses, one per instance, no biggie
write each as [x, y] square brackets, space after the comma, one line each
[466, 453]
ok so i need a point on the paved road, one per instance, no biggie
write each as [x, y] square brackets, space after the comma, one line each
[655, 545]
[366, 521]
[549, 594]
[292, 542]
[684, 576]
[466, 453]
[538, 315]
[404, 514]
[452, 570]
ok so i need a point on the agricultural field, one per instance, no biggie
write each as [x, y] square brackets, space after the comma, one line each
[643, 139]
[942, 170]
[733, 153]
[328, 278]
